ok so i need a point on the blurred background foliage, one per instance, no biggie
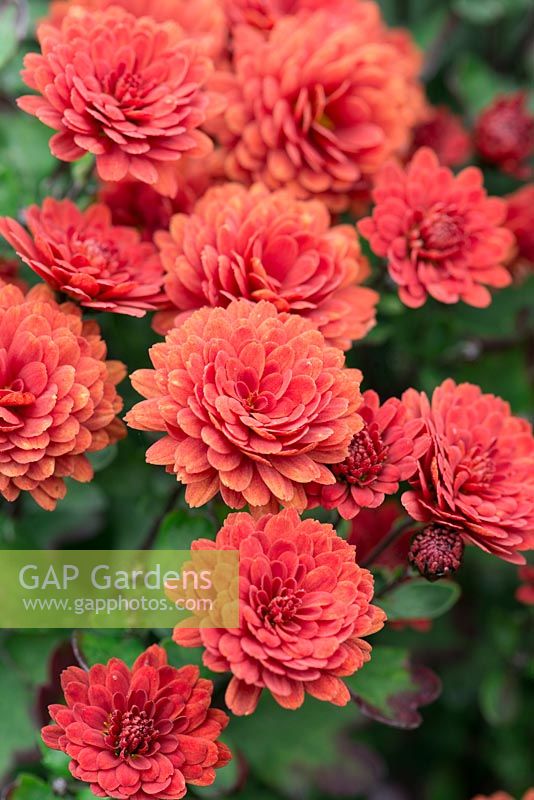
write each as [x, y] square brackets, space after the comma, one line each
[477, 735]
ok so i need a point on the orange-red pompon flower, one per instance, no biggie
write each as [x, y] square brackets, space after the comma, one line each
[441, 234]
[139, 734]
[477, 477]
[252, 403]
[319, 102]
[128, 90]
[262, 245]
[80, 253]
[305, 605]
[58, 399]
[203, 20]
[381, 455]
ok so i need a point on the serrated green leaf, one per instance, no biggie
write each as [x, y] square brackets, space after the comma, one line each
[419, 599]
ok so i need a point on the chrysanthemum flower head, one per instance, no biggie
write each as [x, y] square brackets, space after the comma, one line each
[58, 399]
[252, 403]
[320, 101]
[441, 234]
[129, 90]
[203, 20]
[305, 605]
[504, 134]
[444, 133]
[477, 477]
[262, 245]
[139, 734]
[381, 455]
[80, 253]
[520, 220]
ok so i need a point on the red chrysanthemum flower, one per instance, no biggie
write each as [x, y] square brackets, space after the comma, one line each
[320, 101]
[525, 592]
[80, 253]
[58, 399]
[253, 403]
[445, 134]
[520, 220]
[259, 245]
[126, 89]
[504, 134]
[440, 233]
[478, 475]
[305, 605]
[381, 455]
[203, 20]
[139, 734]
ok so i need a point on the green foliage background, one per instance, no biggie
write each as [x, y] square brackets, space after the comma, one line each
[477, 737]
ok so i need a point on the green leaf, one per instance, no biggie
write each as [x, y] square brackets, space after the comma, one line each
[180, 528]
[28, 787]
[284, 748]
[98, 648]
[56, 762]
[419, 599]
[31, 651]
[480, 12]
[8, 33]
[484, 12]
[21, 175]
[182, 656]
[386, 674]
[390, 689]
[76, 517]
[477, 84]
[103, 458]
[498, 696]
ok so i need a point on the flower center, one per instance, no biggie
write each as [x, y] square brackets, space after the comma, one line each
[130, 733]
[248, 392]
[283, 607]
[367, 453]
[127, 87]
[103, 257]
[439, 234]
[480, 470]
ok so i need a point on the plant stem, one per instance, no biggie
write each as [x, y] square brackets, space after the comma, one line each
[154, 528]
[388, 540]
[436, 50]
